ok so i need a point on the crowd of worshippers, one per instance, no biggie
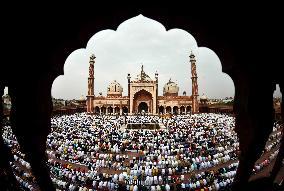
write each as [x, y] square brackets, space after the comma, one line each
[89, 152]
[143, 119]
[21, 168]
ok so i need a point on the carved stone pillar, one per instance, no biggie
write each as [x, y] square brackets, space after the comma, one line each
[156, 99]
[91, 96]
[129, 97]
[195, 106]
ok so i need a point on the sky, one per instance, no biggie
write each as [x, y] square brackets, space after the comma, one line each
[136, 41]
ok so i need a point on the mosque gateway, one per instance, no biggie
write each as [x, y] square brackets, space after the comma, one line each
[142, 95]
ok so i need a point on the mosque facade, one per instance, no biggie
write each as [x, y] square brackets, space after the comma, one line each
[142, 95]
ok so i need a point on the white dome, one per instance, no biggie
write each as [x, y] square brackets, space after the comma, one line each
[114, 88]
[203, 97]
[171, 88]
[82, 98]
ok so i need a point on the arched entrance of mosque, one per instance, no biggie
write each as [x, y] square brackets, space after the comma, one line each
[142, 101]
[175, 110]
[182, 110]
[142, 107]
[124, 109]
[110, 110]
[168, 109]
[161, 109]
[103, 110]
[97, 110]
[188, 109]
[116, 110]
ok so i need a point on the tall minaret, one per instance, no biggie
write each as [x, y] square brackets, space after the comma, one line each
[91, 96]
[128, 79]
[195, 107]
[156, 77]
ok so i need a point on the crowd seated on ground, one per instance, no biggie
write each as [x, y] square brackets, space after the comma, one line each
[97, 152]
[150, 126]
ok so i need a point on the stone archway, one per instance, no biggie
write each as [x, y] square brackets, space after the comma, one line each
[109, 110]
[182, 110]
[143, 97]
[161, 109]
[175, 110]
[245, 78]
[117, 110]
[103, 110]
[168, 109]
[188, 109]
[124, 109]
[97, 110]
[143, 107]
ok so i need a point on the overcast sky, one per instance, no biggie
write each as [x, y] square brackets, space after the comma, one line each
[138, 41]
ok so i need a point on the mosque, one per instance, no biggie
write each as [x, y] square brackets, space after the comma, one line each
[142, 95]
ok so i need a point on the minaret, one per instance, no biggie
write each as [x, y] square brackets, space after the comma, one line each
[91, 96]
[128, 80]
[195, 107]
[156, 77]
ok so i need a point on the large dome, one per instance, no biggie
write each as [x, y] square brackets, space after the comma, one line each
[170, 88]
[114, 88]
[82, 98]
[203, 97]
